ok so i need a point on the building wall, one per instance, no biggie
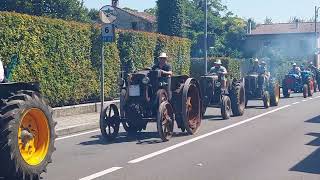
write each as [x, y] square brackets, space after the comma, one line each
[300, 46]
[127, 21]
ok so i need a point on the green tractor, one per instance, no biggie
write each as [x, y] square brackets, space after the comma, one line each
[27, 132]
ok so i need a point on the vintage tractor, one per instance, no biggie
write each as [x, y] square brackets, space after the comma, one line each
[27, 130]
[291, 83]
[147, 96]
[228, 99]
[309, 83]
[258, 86]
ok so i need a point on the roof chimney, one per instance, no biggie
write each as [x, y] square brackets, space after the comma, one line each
[115, 3]
[249, 26]
[297, 23]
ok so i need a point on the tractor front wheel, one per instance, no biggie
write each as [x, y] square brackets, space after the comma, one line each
[225, 107]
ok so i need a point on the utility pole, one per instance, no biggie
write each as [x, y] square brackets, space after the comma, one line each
[316, 14]
[206, 38]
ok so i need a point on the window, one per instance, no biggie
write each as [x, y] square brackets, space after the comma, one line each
[134, 25]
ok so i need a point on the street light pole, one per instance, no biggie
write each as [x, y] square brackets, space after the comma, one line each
[206, 38]
[316, 14]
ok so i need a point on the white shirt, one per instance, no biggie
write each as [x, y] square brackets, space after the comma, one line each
[1, 72]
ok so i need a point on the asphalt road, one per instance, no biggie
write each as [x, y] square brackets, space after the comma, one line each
[280, 143]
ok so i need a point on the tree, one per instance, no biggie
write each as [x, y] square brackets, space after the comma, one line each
[63, 9]
[170, 17]
[94, 15]
[152, 11]
[268, 21]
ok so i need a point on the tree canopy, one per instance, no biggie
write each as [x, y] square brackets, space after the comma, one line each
[63, 9]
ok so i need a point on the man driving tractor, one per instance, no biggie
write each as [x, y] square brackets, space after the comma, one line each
[295, 69]
[221, 71]
[163, 65]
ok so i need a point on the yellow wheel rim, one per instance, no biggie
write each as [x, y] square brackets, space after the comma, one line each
[33, 136]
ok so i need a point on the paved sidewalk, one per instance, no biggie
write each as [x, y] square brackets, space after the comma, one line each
[76, 123]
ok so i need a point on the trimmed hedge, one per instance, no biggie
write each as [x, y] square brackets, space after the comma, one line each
[65, 56]
[232, 65]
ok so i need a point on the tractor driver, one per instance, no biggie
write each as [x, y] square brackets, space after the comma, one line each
[163, 66]
[256, 67]
[295, 70]
[221, 71]
[2, 78]
[166, 71]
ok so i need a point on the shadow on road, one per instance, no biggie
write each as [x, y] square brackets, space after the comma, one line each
[311, 163]
[142, 138]
[314, 120]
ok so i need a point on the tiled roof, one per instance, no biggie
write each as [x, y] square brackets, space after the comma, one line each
[285, 28]
[146, 16]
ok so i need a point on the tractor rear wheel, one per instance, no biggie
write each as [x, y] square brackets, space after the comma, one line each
[225, 107]
[238, 100]
[275, 94]
[310, 89]
[27, 135]
[191, 106]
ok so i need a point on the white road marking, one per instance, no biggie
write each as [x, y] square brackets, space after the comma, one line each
[75, 135]
[295, 103]
[304, 100]
[102, 173]
[203, 136]
[311, 98]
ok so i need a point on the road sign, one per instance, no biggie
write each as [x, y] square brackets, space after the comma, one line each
[108, 14]
[108, 33]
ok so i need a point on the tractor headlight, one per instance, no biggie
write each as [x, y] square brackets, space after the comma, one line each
[218, 84]
[145, 80]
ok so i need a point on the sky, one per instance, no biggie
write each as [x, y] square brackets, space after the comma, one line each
[277, 10]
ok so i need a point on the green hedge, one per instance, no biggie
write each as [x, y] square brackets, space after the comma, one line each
[141, 49]
[232, 65]
[65, 56]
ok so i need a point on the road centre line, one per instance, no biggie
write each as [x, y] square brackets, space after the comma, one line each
[202, 136]
[295, 103]
[102, 173]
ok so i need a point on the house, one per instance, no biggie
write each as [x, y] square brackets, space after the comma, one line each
[134, 20]
[296, 40]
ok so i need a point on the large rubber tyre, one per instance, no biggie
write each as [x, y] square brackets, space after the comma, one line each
[266, 99]
[238, 100]
[225, 107]
[165, 121]
[110, 122]
[305, 90]
[310, 90]
[275, 95]
[27, 135]
[285, 91]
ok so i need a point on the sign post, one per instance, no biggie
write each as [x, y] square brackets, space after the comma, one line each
[107, 16]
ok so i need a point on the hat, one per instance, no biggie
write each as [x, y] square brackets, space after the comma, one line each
[163, 55]
[218, 62]
[256, 60]
[294, 64]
